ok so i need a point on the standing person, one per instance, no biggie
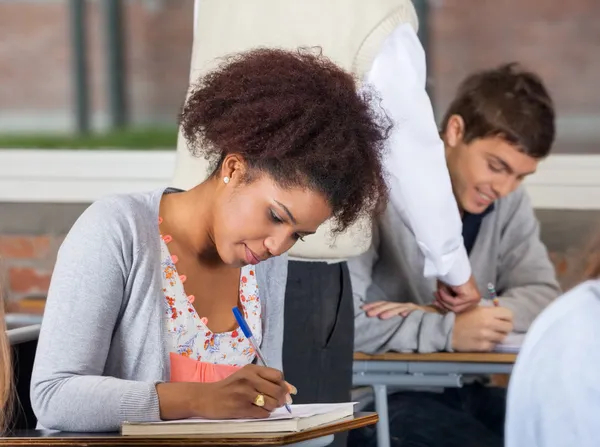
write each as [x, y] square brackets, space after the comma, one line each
[377, 41]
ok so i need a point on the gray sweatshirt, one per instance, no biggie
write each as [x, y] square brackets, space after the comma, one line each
[101, 349]
[507, 253]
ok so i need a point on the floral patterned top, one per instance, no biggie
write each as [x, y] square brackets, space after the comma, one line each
[188, 333]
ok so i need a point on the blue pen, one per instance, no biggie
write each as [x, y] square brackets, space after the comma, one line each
[248, 334]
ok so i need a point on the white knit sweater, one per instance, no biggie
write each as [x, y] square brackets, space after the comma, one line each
[350, 32]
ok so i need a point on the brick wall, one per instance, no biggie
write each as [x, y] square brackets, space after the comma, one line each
[27, 263]
[35, 56]
[30, 236]
[557, 39]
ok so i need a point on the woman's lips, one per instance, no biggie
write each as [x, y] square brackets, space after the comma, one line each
[251, 258]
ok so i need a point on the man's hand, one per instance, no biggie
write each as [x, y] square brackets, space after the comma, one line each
[481, 329]
[385, 310]
[458, 298]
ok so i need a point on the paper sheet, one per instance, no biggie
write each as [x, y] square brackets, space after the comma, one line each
[512, 343]
[298, 412]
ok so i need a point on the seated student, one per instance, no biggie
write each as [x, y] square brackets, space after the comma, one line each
[554, 390]
[6, 372]
[497, 129]
[138, 324]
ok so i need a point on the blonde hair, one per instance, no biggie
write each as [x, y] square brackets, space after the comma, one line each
[6, 374]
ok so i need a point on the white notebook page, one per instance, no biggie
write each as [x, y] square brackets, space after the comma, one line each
[298, 412]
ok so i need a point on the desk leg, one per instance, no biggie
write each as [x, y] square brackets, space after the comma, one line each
[381, 407]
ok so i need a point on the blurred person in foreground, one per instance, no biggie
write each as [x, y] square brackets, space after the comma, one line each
[554, 389]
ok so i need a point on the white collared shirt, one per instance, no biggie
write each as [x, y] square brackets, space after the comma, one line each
[420, 187]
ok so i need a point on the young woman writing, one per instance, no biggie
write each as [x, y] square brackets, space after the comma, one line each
[138, 324]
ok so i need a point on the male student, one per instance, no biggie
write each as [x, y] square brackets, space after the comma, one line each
[495, 132]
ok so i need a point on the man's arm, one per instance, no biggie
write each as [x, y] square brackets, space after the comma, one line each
[420, 185]
[526, 276]
[419, 331]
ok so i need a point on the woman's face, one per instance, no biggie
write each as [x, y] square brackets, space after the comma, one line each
[256, 220]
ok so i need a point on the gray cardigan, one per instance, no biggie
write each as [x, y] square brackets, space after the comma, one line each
[101, 349]
[507, 252]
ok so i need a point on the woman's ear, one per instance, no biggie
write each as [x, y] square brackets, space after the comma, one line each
[454, 131]
[233, 169]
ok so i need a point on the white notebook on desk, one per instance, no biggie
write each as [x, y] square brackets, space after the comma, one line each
[512, 343]
[303, 417]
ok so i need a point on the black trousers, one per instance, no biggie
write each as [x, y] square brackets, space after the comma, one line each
[319, 333]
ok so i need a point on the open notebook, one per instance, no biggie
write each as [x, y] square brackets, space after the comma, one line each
[303, 417]
[512, 343]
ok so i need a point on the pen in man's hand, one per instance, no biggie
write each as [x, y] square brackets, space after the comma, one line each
[492, 293]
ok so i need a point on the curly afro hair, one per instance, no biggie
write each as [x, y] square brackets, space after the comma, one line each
[298, 117]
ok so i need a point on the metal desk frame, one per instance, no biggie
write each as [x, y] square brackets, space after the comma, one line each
[379, 374]
[23, 334]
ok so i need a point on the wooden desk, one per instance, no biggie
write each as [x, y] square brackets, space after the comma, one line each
[45, 438]
[458, 357]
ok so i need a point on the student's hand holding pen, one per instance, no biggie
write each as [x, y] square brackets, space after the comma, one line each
[481, 329]
[251, 392]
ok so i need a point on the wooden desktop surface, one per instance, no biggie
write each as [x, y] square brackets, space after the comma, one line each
[460, 357]
[43, 438]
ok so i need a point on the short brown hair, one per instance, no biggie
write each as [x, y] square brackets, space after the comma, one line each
[298, 117]
[508, 102]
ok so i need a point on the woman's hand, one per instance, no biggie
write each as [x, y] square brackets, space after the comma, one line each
[230, 398]
[235, 396]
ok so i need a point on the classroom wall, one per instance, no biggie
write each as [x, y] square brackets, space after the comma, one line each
[557, 39]
[36, 82]
[30, 235]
